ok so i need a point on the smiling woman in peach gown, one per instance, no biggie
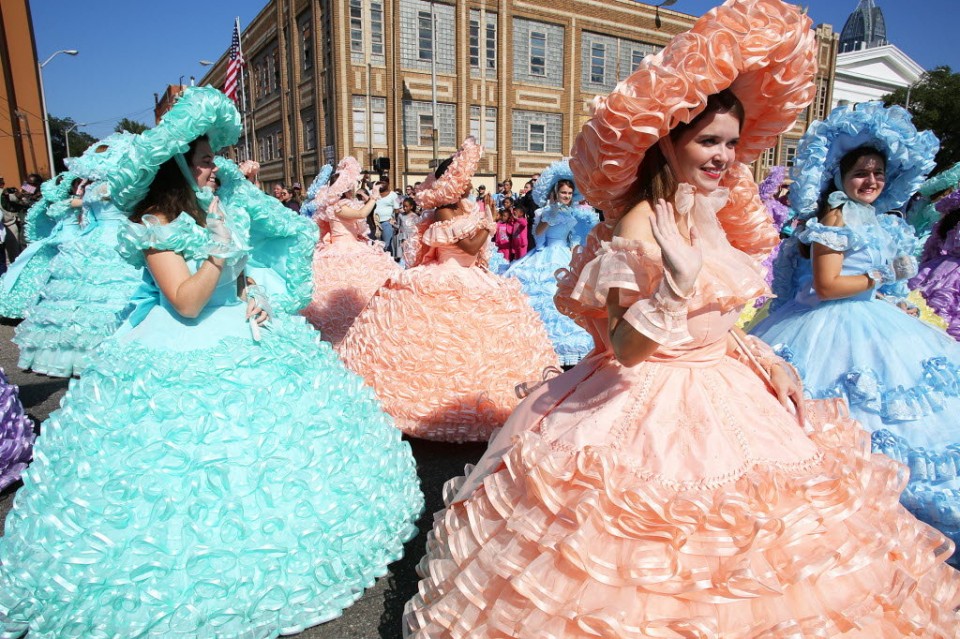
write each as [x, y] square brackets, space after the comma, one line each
[674, 483]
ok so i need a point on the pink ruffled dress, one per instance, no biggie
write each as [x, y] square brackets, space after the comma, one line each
[677, 498]
[347, 271]
[445, 343]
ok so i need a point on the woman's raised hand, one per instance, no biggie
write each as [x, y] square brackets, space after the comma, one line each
[682, 259]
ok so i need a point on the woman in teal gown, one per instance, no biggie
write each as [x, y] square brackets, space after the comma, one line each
[215, 472]
[51, 222]
[88, 292]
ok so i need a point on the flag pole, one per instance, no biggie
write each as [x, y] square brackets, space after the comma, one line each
[243, 92]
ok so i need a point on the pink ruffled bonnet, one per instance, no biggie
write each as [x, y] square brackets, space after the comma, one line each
[762, 50]
[450, 187]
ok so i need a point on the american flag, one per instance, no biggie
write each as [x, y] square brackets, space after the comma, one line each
[233, 68]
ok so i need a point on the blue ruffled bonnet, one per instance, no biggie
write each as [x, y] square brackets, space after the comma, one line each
[909, 154]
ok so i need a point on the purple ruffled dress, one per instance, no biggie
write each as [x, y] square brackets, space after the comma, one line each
[939, 277]
[16, 434]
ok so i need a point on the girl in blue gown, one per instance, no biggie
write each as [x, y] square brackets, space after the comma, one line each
[558, 227]
[216, 472]
[900, 376]
[53, 221]
[88, 293]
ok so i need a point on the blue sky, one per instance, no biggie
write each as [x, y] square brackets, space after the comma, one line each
[129, 50]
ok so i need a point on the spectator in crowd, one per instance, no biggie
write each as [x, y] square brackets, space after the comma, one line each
[408, 192]
[407, 226]
[527, 207]
[288, 200]
[503, 234]
[519, 241]
[384, 211]
[296, 194]
[485, 202]
[278, 191]
[365, 181]
[506, 192]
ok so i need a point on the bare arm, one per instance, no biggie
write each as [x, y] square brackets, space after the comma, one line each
[629, 346]
[360, 213]
[470, 245]
[188, 293]
[827, 264]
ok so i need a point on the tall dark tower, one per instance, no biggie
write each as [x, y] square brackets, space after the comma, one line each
[864, 29]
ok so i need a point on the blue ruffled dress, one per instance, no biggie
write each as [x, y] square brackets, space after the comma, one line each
[198, 483]
[21, 285]
[567, 227]
[900, 376]
[86, 298]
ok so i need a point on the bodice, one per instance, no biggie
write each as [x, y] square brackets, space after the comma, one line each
[691, 332]
[453, 254]
[558, 232]
[868, 242]
[342, 229]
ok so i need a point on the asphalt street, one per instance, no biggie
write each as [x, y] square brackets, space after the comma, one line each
[378, 613]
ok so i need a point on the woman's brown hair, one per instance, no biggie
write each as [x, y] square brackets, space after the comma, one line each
[655, 179]
[170, 193]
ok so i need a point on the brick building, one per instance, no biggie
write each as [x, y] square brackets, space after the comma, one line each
[23, 138]
[328, 78]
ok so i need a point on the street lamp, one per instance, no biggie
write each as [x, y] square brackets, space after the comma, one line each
[43, 104]
[66, 134]
[665, 3]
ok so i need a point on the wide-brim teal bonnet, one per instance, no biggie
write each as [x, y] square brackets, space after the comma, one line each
[909, 154]
[199, 111]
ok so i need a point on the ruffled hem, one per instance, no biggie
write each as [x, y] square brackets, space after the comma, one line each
[576, 545]
[445, 346]
[863, 388]
[26, 291]
[16, 434]
[346, 274]
[225, 512]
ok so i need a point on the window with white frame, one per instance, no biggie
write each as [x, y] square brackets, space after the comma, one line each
[768, 158]
[537, 137]
[823, 90]
[538, 53]
[483, 42]
[356, 26]
[598, 62]
[378, 115]
[359, 120]
[425, 130]
[424, 35]
[487, 137]
[790, 154]
[376, 27]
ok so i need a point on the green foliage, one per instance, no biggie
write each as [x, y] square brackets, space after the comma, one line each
[934, 106]
[132, 126]
[79, 141]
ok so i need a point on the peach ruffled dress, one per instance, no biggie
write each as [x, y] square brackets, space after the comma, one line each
[347, 270]
[677, 498]
[445, 343]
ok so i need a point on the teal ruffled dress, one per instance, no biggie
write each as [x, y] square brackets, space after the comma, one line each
[198, 483]
[86, 298]
[21, 285]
